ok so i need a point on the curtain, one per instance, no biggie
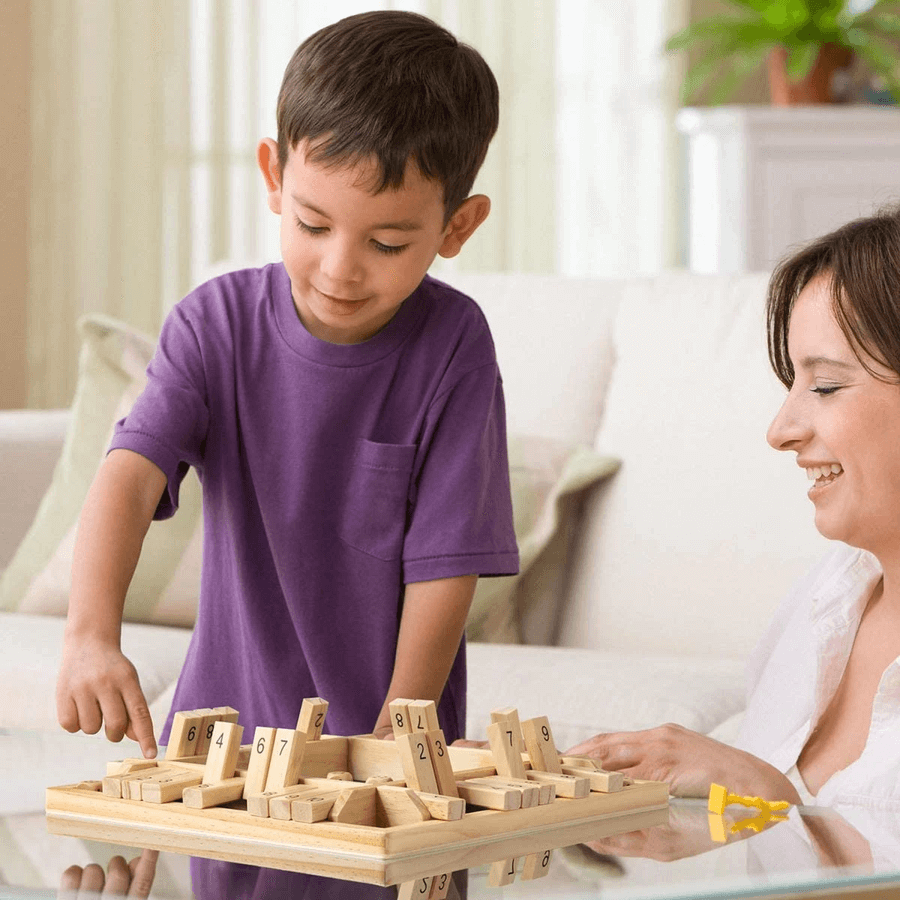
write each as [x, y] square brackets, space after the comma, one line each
[146, 115]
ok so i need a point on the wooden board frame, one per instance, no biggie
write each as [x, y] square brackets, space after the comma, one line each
[366, 853]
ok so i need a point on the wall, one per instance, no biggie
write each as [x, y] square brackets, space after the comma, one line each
[15, 174]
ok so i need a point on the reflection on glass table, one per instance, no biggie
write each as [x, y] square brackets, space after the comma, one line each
[694, 854]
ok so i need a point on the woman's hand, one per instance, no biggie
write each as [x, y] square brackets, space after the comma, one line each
[689, 762]
[122, 879]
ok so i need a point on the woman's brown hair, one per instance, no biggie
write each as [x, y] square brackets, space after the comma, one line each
[862, 261]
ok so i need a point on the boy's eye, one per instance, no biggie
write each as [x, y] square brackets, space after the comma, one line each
[309, 229]
[388, 248]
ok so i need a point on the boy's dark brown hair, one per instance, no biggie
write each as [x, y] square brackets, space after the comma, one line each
[395, 86]
[862, 261]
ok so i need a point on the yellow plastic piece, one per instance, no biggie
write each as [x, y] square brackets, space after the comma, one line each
[719, 798]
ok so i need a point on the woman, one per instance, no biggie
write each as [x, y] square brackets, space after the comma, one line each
[823, 716]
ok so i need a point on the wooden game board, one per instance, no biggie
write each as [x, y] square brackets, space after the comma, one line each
[382, 812]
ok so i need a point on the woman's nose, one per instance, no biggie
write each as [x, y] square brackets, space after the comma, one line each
[789, 429]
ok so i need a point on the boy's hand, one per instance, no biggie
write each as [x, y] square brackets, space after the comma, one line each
[97, 684]
[122, 879]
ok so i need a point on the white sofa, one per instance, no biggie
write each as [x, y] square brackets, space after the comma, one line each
[675, 564]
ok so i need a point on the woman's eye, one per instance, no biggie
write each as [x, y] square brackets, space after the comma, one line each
[309, 229]
[825, 391]
[388, 249]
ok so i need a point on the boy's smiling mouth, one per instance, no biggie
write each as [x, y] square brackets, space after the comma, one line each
[341, 301]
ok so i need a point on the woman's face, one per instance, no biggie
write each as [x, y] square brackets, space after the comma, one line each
[844, 426]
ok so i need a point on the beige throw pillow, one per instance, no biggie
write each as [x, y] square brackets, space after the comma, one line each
[165, 586]
[549, 479]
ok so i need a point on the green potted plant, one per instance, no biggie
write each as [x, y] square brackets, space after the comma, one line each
[803, 41]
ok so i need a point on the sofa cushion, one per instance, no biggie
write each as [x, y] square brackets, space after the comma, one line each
[691, 546]
[584, 692]
[554, 345]
[166, 583]
[548, 479]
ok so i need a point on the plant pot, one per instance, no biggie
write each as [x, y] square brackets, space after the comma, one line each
[816, 87]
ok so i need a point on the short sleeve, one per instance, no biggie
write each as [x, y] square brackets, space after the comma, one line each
[461, 520]
[169, 420]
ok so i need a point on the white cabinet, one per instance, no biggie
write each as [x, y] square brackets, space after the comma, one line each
[762, 180]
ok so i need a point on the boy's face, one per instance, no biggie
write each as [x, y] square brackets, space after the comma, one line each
[353, 257]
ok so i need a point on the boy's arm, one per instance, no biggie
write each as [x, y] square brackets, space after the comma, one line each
[431, 628]
[97, 683]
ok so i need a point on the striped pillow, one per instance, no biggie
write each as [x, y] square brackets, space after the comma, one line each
[166, 584]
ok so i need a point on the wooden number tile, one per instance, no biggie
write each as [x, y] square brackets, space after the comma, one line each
[503, 871]
[399, 806]
[423, 716]
[583, 762]
[131, 784]
[218, 714]
[313, 809]
[287, 758]
[440, 760]
[204, 795]
[226, 714]
[112, 786]
[488, 795]
[604, 782]
[540, 746]
[509, 714]
[280, 805]
[168, 786]
[355, 806]
[260, 757]
[569, 786]
[505, 739]
[184, 734]
[127, 766]
[312, 717]
[340, 776]
[415, 757]
[448, 809]
[204, 730]
[399, 710]
[221, 760]
[119, 785]
[440, 886]
[542, 793]
[531, 793]
[536, 865]
[420, 889]
[260, 804]
[117, 772]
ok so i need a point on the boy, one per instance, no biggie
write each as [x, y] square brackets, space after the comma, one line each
[343, 410]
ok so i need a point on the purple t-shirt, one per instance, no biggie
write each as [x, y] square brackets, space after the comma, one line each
[332, 475]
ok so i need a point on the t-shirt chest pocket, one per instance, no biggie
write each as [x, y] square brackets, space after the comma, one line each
[374, 514]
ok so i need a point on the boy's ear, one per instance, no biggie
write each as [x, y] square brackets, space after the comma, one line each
[468, 216]
[267, 160]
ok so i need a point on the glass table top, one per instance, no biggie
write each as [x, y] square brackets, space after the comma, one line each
[689, 854]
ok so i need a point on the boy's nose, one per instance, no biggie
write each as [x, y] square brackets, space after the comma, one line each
[788, 431]
[341, 264]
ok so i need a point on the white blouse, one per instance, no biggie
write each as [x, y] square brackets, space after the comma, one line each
[796, 669]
